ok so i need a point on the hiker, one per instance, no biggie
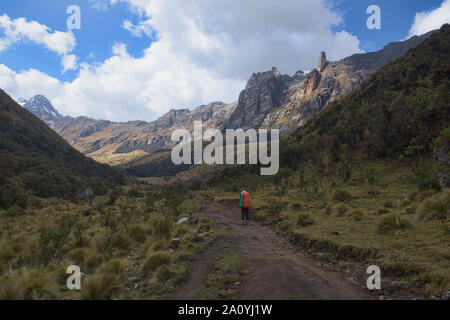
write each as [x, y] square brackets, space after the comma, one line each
[244, 203]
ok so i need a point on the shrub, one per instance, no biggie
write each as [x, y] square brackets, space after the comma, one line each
[404, 202]
[342, 195]
[388, 204]
[120, 240]
[138, 233]
[356, 214]
[283, 226]
[156, 260]
[435, 210]
[274, 206]
[114, 266]
[165, 273]
[25, 284]
[102, 286]
[382, 211]
[329, 209]
[340, 210]
[411, 210]
[181, 229]
[392, 222]
[304, 220]
[161, 226]
[159, 245]
[298, 206]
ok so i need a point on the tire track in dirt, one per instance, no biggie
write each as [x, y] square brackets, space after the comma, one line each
[275, 270]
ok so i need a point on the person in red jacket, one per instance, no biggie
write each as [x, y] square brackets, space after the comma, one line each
[244, 203]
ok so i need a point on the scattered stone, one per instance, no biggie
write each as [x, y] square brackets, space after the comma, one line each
[245, 252]
[86, 194]
[171, 251]
[381, 298]
[174, 243]
[237, 283]
[183, 220]
[133, 279]
[446, 295]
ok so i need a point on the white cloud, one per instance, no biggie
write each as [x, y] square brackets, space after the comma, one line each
[101, 5]
[206, 50]
[144, 27]
[21, 30]
[69, 62]
[430, 20]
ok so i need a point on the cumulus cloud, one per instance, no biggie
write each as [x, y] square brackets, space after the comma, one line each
[430, 20]
[21, 30]
[138, 30]
[69, 62]
[206, 50]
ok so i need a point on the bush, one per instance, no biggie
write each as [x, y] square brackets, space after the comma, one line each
[274, 206]
[138, 233]
[159, 245]
[25, 284]
[304, 220]
[156, 260]
[356, 214]
[342, 195]
[165, 273]
[120, 240]
[161, 226]
[298, 206]
[388, 204]
[383, 211]
[103, 286]
[392, 223]
[340, 210]
[329, 209]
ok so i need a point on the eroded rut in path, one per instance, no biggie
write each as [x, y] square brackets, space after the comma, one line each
[274, 268]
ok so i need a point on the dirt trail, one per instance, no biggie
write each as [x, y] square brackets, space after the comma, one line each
[275, 269]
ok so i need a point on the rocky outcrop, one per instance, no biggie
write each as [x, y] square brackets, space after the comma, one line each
[329, 82]
[264, 93]
[322, 62]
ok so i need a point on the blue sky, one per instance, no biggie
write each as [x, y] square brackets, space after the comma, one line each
[197, 60]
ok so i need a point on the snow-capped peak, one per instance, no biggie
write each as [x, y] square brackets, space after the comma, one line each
[40, 106]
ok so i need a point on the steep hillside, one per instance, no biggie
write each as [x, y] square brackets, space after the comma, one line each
[34, 160]
[404, 104]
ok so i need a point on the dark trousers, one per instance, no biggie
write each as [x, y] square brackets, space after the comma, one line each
[244, 214]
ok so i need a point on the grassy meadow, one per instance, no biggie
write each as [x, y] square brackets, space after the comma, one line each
[377, 216]
[127, 243]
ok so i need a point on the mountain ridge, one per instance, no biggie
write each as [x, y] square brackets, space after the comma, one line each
[269, 100]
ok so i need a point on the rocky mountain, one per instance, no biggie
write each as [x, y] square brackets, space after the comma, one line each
[117, 142]
[35, 161]
[269, 100]
[40, 106]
